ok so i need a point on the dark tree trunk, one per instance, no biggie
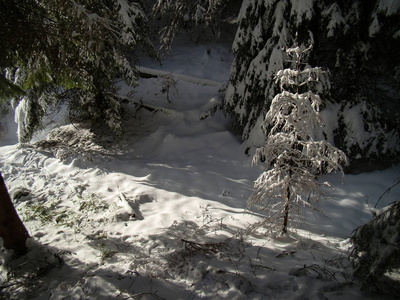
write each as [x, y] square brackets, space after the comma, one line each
[12, 230]
[286, 211]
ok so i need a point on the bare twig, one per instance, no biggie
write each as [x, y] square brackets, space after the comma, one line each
[387, 192]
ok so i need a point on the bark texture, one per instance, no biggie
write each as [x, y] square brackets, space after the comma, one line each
[12, 230]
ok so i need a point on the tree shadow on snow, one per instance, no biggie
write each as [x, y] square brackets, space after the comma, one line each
[46, 272]
[184, 261]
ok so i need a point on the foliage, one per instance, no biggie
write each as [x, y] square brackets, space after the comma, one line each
[87, 208]
[179, 15]
[376, 250]
[355, 40]
[168, 83]
[291, 155]
[57, 51]
[38, 211]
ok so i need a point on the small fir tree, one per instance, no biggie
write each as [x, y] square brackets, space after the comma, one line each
[357, 40]
[292, 157]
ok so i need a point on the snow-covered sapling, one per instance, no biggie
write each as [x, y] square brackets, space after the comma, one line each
[292, 157]
[167, 83]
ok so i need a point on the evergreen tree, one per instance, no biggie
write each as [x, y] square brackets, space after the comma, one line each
[292, 156]
[355, 40]
[376, 251]
[180, 15]
[69, 51]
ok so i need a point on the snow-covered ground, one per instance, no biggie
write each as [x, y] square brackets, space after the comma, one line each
[161, 214]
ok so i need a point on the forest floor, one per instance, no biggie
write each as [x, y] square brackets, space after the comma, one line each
[161, 213]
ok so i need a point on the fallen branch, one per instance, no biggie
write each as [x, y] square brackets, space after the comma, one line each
[153, 73]
[205, 248]
[150, 108]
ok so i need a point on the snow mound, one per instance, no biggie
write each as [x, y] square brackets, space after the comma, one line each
[74, 140]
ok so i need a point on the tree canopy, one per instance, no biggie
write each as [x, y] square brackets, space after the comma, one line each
[180, 15]
[72, 52]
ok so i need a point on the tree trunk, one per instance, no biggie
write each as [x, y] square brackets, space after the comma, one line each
[12, 230]
[286, 211]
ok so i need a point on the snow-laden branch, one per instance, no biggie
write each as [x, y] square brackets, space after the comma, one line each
[292, 157]
[160, 73]
[291, 112]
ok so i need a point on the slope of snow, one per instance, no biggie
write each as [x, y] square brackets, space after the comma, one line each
[161, 214]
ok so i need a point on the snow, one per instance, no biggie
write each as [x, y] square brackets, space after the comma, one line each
[280, 22]
[162, 212]
[374, 27]
[129, 14]
[385, 7]
[389, 7]
[360, 131]
[335, 19]
[21, 115]
[302, 9]
[329, 121]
